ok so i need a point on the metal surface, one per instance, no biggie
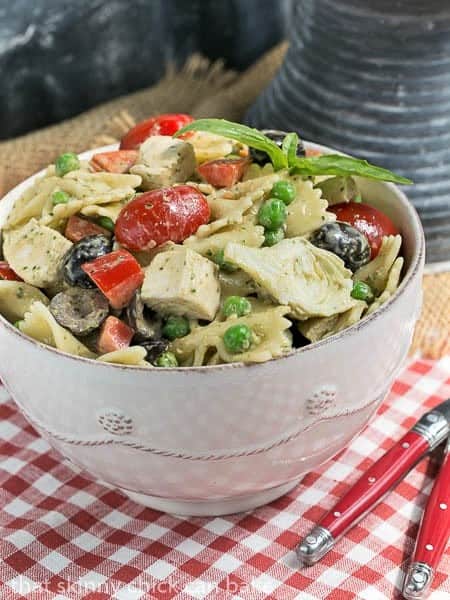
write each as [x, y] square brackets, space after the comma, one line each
[418, 581]
[429, 432]
[444, 410]
[434, 425]
[373, 79]
[315, 545]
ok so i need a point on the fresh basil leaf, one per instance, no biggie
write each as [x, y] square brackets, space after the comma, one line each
[335, 164]
[240, 133]
[289, 147]
[327, 164]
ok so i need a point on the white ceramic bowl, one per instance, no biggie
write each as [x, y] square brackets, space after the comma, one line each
[219, 439]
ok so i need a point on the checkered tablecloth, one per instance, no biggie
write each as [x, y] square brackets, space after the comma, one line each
[64, 536]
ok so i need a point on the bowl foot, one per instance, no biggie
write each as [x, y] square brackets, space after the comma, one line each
[211, 508]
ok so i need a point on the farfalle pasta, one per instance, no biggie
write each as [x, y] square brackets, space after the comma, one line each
[376, 272]
[308, 211]
[218, 244]
[244, 233]
[133, 356]
[40, 324]
[231, 206]
[318, 328]
[392, 283]
[269, 327]
[16, 298]
[82, 188]
[110, 211]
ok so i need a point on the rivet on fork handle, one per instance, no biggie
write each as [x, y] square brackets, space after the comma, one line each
[417, 581]
[314, 546]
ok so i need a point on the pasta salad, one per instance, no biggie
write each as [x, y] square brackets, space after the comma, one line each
[196, 243]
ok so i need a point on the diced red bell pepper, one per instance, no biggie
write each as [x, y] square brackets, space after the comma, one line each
[78, 228]
[161, 125]
[7, 273]
[187, 135]
[117, 274]
[114, 335]
[119, 161]
[223, 172]
[313, 152]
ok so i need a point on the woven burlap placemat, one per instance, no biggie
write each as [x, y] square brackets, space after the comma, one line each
[202, 89]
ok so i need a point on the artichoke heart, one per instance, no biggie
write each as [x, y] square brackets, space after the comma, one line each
[311, 281]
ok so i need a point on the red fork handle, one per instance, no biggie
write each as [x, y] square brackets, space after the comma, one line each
[434, 533]
[435, 526]
[363, 496]
[373, 486]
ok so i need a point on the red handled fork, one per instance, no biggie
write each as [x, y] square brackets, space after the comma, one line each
[432, 429]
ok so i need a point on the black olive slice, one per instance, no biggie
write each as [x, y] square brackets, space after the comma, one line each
[154, 349]
[261, 158]
[86, 250]
[145, 322]
[345, 241]
[79, 310]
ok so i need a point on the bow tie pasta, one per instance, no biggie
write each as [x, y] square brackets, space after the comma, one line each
[40, 324]
[16, 298]
[81, 189]
[195, 248]
[271, 339]
[308, 211]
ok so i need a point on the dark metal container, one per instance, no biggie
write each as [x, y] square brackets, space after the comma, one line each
[372, 78]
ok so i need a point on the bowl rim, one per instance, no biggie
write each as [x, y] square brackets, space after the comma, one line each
[416, 262]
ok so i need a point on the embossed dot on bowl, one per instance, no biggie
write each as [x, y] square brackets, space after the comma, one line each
[115, 421]
[321, 400]
[220, 439]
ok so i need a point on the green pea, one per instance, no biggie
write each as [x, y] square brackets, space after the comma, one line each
[284, 190]
[219, 259]
[166, 359]
[362, 291]
[272, 214]
[17, 324]
[65, 163]
[273, 237]
[106, 222]
[60, 197]
[175, 327]
[236, 305]
[237, 338]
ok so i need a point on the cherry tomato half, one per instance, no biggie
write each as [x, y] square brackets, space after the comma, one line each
[160, 125]
[159, 216]
[368, 220]
[7, 273]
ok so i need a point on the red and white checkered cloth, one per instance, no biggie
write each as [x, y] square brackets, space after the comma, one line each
[64, 536]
